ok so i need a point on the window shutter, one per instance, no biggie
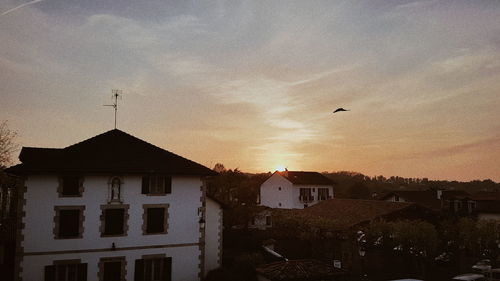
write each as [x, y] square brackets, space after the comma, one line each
[145, 185]
[50, 273]
[82, 272]
[167, 269]
[139, 270]
[168, 184]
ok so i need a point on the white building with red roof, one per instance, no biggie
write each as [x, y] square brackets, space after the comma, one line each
[295, 189]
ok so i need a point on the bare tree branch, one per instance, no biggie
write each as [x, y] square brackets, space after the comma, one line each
[7, 144]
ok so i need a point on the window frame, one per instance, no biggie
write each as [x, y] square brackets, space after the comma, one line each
[323, 193]
[145, 218]
[81, 269]
[147, 182]
[60, 187]
[166, 262]
[102, 228]
[57, 222]
[123, 266]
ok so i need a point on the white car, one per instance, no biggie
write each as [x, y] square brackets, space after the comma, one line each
[482, 266]
[469, 277]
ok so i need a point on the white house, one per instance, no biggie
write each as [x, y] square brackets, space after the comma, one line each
[114, 207]
[295, 190]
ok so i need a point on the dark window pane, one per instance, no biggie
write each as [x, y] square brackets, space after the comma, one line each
[72, 272]
[113, 220]
[168, 185]
[112, 271]
[155, 220]
[71, 186]
[139, 270]
[69, 223]
[147, 270]
[50, 274]
[82, 272]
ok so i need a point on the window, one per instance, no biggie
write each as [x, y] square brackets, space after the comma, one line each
[69, 270]
[279, 188]
[153, 269]
[112, 269]
[323, 193]
[68, 222]
[306, 195]
[70, 186]
[156, 185]
[268, 220]
[155, 219]
[114, 220]
[396, 198]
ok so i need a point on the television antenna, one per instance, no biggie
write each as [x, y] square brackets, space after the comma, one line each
[115, 95]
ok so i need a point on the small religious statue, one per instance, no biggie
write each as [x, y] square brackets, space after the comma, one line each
[115, 190]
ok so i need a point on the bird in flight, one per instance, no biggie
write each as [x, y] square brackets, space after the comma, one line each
[340, 109]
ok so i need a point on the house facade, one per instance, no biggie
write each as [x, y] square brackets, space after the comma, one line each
[295, 190]
[114, 207]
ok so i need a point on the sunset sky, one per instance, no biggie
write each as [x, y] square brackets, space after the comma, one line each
[253, 84]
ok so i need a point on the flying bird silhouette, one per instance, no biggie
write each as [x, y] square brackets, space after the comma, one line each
[340, 109]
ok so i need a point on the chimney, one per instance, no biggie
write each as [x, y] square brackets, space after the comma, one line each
[439, 193]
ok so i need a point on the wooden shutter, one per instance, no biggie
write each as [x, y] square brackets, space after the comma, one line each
[168, 184]
[139, 270]
[167, 269]
[82, 272]
[145, 185]
[50, 273]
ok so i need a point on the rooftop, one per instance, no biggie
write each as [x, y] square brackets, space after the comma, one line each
[301, 177]
[112, 151]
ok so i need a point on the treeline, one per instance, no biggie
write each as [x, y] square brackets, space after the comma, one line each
[234, 187]
[358, 186]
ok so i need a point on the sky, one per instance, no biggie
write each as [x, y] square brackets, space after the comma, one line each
[253, 84]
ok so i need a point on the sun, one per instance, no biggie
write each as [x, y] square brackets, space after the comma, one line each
[280, 168]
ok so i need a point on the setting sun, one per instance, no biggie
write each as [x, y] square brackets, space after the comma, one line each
[280, 168]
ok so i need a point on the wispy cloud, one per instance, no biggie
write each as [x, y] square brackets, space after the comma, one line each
[20, 6]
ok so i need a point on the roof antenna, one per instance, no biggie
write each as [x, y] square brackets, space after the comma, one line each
[116, 94]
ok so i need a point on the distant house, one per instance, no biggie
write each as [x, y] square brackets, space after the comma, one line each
[295, 190]
[452, 201]
[487, 205]
[114, 207]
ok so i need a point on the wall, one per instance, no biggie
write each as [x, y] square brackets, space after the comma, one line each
[289, 194]
[213, 235]
[181, 241]
[271, 196]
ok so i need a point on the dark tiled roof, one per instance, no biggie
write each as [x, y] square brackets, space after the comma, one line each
[346, 213]
[427, 198]
[486, 196]
[113, 151]
[306, 269]
[299, 177]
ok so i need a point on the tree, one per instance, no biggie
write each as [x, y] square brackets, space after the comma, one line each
[7, 144]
